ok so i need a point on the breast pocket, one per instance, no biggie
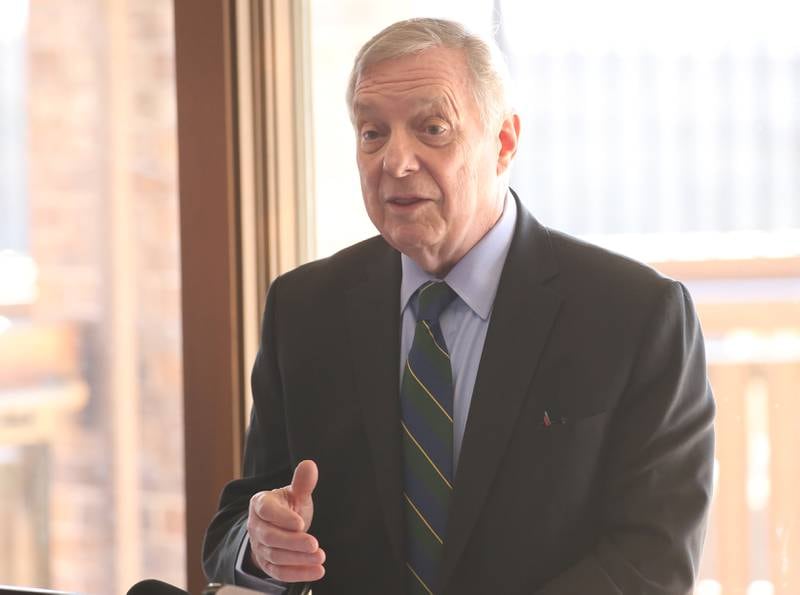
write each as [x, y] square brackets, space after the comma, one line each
[576, 439]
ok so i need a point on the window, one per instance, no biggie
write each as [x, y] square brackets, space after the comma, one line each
[91, 439]
[668, 122]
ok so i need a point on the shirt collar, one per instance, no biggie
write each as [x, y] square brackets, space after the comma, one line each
[476, 276]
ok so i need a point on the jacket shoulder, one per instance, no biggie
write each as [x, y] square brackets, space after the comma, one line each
[342, 266]
[342, 269]
[590, 266]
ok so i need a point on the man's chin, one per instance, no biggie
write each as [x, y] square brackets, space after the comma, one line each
[421, 249]
[412, 243]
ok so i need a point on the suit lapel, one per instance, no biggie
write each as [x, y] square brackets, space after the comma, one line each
[373, 311]
[523, 313]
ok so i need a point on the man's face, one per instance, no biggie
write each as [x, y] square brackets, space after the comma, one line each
[430, 170]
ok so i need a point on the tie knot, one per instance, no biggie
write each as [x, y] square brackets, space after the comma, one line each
[432, 299]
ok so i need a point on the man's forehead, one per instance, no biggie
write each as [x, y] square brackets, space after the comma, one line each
[434, 59]
[433, 67]
[368, 103]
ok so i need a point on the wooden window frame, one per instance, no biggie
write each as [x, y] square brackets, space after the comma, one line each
[245, 216]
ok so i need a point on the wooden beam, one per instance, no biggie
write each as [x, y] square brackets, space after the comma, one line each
[122, 339]
[210, 252]
[753, 268]
[719, 318]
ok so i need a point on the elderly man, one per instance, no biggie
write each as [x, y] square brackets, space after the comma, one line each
[469, 402]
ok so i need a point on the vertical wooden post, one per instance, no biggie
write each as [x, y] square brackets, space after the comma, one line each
[211, 261]
[783, 381]
[731, 514]
[121, 269]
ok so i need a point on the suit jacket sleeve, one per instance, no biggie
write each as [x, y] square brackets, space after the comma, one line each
[658, 487]
[267, 463]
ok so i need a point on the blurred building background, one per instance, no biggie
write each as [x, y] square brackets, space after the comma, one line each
[667, 132]
[91, 435]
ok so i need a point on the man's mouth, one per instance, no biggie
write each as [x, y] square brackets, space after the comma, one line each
[405, 201]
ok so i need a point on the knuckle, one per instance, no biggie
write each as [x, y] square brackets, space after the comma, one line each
[268, 554]
[268, 535]
[255, 501]
[274, 571]
[251, 523]
[255, 530]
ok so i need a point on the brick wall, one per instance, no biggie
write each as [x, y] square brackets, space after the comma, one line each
[70, 61]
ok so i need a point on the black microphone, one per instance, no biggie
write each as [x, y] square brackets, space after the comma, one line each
[154, 587]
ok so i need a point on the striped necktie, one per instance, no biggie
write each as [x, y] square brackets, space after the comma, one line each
[426, 402]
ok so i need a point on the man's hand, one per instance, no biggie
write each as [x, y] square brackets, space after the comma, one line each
[278, 522]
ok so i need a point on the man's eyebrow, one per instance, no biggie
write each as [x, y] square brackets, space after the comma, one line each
[429, 104]
[360, 107]
[436, 104]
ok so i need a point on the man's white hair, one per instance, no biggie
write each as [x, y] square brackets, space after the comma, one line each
[490, 83]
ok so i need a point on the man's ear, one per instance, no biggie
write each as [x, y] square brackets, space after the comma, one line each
[509, 137]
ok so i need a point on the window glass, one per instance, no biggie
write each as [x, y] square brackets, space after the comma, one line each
[91, 438]
[668, 132]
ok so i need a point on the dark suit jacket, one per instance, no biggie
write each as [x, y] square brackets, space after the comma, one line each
[612, 500]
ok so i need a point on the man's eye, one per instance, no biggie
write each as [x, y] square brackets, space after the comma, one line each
[368, 135]
[435, 129]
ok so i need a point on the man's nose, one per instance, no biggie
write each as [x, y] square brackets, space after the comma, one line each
[399, 156]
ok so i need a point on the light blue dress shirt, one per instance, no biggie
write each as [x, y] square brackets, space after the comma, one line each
[464, 323]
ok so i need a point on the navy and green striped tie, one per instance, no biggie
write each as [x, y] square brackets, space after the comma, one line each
[426, 402]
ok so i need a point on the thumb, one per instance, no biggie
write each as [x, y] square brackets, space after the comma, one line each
[304, 480]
